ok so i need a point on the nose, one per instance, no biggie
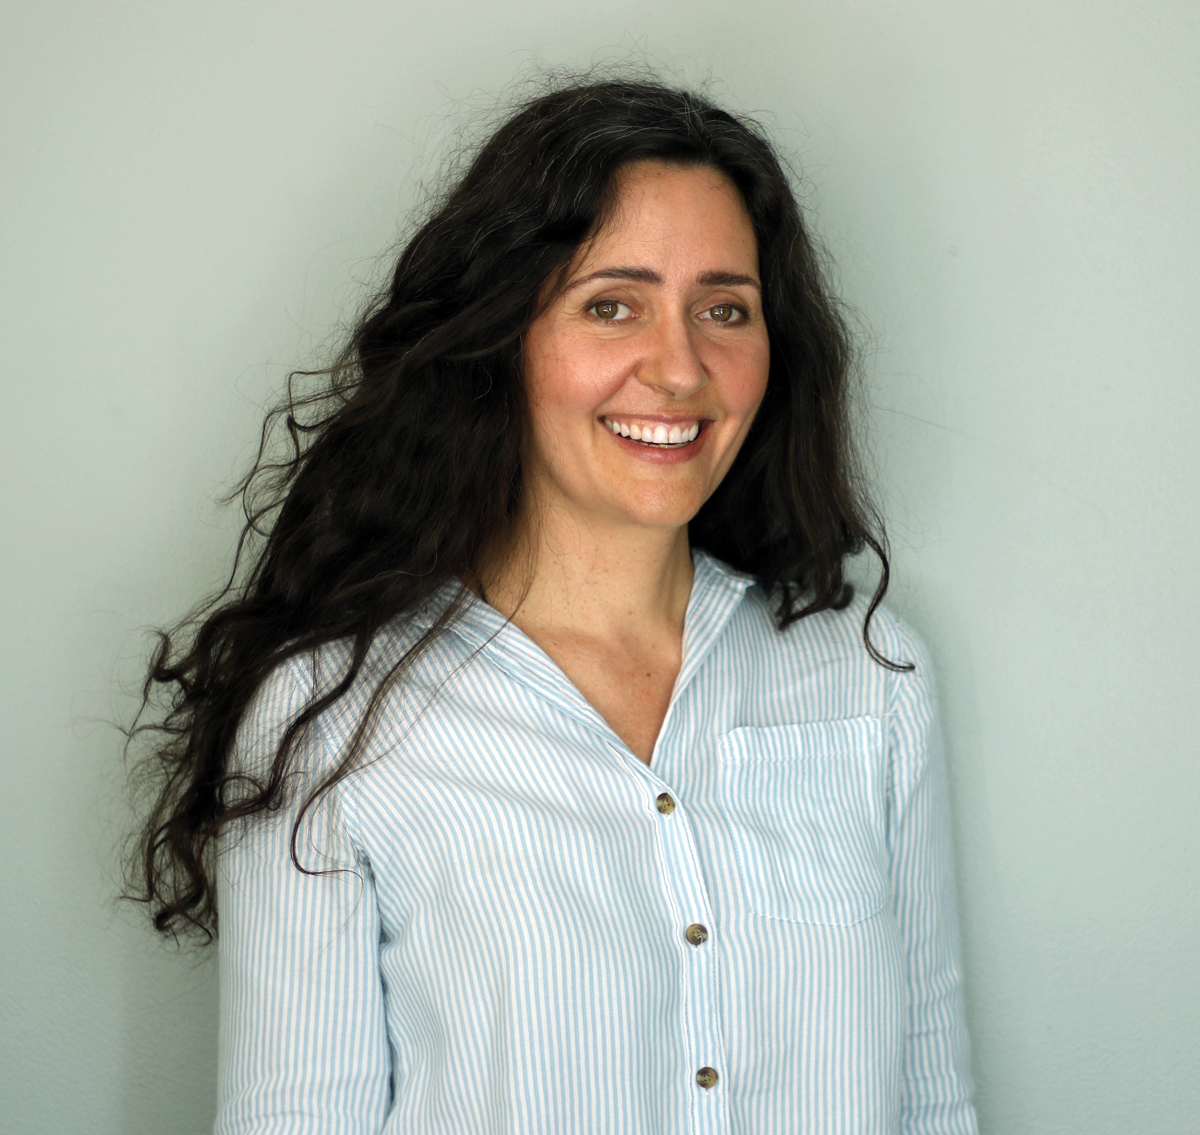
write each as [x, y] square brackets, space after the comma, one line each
[671, 362]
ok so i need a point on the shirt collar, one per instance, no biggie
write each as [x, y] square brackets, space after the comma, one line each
[717, 589]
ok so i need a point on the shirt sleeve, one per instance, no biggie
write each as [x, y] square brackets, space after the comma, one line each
[303, 1043]
[937, 1085]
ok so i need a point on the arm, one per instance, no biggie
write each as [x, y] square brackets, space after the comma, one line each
[937, 1082]
[303, 1042]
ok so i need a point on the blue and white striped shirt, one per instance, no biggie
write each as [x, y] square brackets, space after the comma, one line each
[533, 932]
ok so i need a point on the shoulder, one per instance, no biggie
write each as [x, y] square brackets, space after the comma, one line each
[277, 702]
[285, 691]
[840, 630]
[823, 658]
[295, 683]
[402, 668]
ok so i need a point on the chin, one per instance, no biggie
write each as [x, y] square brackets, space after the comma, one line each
[662, 514]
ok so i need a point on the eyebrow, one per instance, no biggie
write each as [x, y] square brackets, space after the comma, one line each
[715, 279]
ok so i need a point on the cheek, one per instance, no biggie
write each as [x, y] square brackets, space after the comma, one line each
[561, 389]
[568, 378]
[748, 382]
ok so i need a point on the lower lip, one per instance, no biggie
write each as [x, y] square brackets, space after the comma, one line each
[657, 456]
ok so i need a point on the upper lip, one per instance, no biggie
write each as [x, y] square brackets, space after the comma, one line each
[666, 419]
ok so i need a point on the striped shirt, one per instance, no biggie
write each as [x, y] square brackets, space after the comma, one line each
[519, 927]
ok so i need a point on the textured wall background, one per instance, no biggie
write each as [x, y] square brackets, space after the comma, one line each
[193, 197]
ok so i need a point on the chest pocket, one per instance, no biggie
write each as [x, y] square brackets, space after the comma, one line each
[805, 809]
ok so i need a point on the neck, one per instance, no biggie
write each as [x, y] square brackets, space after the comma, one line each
[603, 581]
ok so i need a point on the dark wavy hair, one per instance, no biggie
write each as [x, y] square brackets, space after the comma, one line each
[404, 469]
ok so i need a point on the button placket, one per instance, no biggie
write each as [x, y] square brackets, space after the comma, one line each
[686, 886]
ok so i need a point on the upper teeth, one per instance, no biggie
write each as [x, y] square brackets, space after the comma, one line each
[656, 432]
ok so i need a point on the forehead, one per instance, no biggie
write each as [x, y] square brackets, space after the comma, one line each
[664, 211]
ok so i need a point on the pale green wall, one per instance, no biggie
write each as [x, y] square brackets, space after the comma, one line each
[190, 193]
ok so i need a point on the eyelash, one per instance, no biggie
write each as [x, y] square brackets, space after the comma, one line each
[743, 314]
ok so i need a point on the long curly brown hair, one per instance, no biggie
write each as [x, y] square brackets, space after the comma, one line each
[405, 466]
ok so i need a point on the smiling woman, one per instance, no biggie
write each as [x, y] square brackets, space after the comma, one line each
[548, 774]
[643, 374]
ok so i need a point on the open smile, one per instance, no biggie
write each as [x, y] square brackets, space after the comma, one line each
[656, 434]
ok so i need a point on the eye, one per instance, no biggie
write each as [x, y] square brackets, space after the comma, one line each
[610, 311]
[724, 313]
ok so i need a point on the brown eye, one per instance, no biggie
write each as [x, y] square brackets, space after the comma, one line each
[723, 312]
[607, 309]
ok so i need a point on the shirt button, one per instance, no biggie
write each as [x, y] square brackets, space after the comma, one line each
[664, 803]
[706, 1077]
[696, 933]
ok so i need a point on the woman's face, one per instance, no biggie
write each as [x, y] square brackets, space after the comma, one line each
[645, 372]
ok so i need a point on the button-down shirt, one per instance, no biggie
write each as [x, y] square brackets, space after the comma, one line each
[515, 925]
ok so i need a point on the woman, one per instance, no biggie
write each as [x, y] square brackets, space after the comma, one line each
[548, 776]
